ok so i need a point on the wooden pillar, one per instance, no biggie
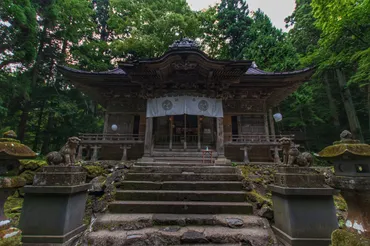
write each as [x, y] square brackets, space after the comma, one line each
[185, 145]
[79, 153]
[220, 138]
[124, 152]
[106, 122]
[199, 127]
[267, 132]
[94, 156]
[171, 132]
[239, 124]
[272, 126]
[148, 137]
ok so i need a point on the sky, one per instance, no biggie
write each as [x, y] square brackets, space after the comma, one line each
[277, 10]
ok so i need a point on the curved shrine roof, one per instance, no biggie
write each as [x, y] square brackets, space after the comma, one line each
[185, 67]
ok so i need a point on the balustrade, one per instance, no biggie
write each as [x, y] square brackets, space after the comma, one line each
[251, 139]
[111, 138]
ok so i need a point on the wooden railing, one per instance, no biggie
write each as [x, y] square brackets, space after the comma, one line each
[111, 138]
[164, 139]
[251, 139]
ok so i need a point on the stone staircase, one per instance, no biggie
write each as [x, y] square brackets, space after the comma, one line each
[181, 204]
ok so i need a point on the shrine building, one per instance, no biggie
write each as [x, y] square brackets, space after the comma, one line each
[183, 103]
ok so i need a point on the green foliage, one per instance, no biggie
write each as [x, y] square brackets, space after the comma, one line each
[32, 165]
[234, 21]
[12, 241]
[344, 238]
[11, 209]
[340, 203]
[149, 27]
[94, 171]
[254, 196]
[268, 46]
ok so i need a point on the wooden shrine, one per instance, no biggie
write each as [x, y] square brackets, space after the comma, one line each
[245, 131]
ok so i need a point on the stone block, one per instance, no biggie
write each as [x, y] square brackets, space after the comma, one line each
[54, 206]
[303, 216]
[299, 180]
[298, 177]
[60, 176]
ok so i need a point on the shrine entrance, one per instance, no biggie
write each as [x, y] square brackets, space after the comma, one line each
[183, 132]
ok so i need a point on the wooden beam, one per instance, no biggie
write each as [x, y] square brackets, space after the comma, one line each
[148, 137]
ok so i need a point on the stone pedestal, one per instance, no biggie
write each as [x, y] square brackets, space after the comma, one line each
[304, 210]
[352, 178]
[54, 206]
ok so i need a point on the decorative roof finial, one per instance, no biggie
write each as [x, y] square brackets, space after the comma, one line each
[184, 43]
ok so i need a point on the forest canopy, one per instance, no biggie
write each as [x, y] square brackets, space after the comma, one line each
[37, 36]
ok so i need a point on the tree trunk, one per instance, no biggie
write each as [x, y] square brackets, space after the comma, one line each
[345, 93]
[333, 108]
[23, 122]
[46, 140]
[35, 73]
[39, 122]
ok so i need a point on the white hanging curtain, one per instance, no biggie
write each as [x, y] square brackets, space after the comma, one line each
[184, 105]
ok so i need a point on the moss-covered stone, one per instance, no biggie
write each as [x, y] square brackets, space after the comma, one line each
[340, 203]
[10, 134]
[14, 149]
[254, 196]
[32, 164]
[12, 241]
[28, 176]
[344, 238]
[12, 182]
[11, 209]
[341, 148]
[9, 140]
[94, 171]
[258, 174]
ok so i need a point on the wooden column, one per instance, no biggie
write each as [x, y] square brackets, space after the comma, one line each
[272, 126]
[124, 152]
[267, 132]
[171, 132]
[148, 137]
[199, 127]
[239, 124]
[220, 138]
[106, 122]
[185, 145]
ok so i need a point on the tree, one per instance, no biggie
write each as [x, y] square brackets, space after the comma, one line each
[234, 22]
[147, 28]
[269, 46]
[344, 39]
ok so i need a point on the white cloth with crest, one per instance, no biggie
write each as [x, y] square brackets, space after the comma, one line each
[180, 105]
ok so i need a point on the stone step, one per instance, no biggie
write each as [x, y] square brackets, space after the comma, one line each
[171, 207]
[179, 163]
[182, 177]
[140, 221]
[180, 154]
[180, 195]
[163, 236]
[182, 185]
[181, 169]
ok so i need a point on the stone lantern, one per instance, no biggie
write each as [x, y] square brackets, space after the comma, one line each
[11, 150]
[351, 161]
